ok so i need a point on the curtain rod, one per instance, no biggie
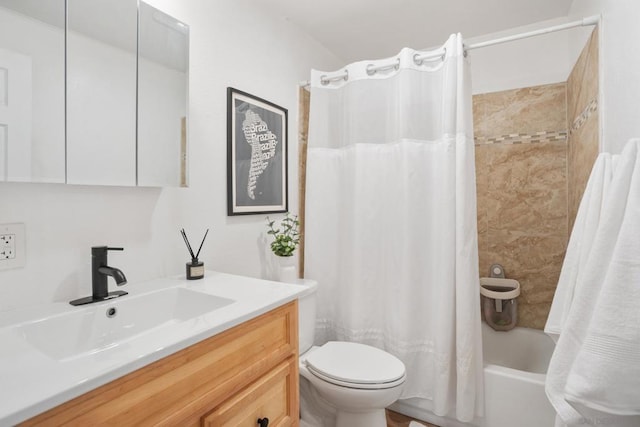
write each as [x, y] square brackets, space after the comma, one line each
[585, 22]
[591, 20]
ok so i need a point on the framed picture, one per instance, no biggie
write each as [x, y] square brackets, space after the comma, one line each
[257, 141]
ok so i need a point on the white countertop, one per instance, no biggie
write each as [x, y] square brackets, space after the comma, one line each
[32, 382]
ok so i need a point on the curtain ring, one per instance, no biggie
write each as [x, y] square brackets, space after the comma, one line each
[370, 70]
[418, 61]
[324, 80]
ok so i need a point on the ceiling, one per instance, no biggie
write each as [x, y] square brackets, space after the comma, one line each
[369, 29]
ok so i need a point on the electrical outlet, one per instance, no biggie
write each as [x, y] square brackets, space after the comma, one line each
[7, 240]
[12, 248]
[7, 254]
[7, 246]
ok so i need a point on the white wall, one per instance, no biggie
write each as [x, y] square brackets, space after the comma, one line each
[619, 68]
[528, 62]
[233, 43]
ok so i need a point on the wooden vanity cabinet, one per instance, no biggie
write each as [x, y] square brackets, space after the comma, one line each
[268, 398]
[246, 373]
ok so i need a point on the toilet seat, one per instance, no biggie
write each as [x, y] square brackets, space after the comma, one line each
[354, 365]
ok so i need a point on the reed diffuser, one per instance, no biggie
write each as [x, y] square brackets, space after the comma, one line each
[195, 268]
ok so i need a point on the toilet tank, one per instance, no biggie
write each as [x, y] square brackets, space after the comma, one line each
[307, 314]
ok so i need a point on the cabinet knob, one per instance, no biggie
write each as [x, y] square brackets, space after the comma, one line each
[263, 422]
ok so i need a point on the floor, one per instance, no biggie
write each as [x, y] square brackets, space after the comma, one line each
[395, 419]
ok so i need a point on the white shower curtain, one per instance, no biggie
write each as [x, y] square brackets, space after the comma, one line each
[391, 219]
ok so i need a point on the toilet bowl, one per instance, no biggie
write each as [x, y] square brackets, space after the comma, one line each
[357, 380]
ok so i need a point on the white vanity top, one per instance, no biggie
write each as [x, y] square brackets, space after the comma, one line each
[53, 353]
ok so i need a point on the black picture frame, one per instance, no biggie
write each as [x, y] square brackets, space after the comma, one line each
[257, 155]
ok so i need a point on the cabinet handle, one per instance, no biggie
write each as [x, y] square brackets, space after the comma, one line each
[263, 422]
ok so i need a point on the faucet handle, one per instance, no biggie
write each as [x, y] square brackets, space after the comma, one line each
[101, 251]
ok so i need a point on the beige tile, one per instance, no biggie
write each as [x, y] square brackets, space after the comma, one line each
[528, 210]
[483, 220]
[533, 316]
[534, 166]
[535, 261]
[582, 84]
[481, 192]
[540, 283]
[483, 243]
[583, 151]
[591, 73]
[482, 176]
[485, 261]
[575, 86]
[522, 197]
[304, 99]
[523, 253]
[527, 110]
[583, 143]
[527, 188]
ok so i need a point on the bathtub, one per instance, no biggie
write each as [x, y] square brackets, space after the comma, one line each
[515, 366]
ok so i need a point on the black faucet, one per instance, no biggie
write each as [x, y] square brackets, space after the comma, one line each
[99, 272]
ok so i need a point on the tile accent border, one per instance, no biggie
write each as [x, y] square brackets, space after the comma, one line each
[579, 121]
[523, 138]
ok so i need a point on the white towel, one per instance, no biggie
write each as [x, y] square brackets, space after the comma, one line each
[606, 372]
[594, 373]
[580, 243]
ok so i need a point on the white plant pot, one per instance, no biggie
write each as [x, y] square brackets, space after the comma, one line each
[287, 270]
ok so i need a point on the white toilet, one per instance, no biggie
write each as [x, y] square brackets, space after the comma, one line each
[358, 380]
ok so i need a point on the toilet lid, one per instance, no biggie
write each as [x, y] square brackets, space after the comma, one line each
[355, 364]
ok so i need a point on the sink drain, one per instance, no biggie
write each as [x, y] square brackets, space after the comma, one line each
[111, 312]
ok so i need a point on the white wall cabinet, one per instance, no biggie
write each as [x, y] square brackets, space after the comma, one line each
[119, 114]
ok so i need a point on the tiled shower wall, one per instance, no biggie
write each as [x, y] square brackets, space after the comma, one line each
[582, 117]
[521, 160]
[535, 148]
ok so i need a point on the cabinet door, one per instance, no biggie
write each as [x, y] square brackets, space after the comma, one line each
[32, 133]
[274, 396]
[163, 69]
[102, 38]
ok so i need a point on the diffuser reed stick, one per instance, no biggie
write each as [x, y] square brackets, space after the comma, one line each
[202, 243]
[186, 242]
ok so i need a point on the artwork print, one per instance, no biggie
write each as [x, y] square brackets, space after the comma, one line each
[256, 155]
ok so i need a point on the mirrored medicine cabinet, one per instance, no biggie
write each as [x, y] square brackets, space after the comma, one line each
[92, 92]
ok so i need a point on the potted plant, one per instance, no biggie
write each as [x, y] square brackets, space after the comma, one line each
[286, 237]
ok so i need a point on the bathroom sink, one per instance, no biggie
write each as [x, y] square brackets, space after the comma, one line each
[95, 328]
[52, 353]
